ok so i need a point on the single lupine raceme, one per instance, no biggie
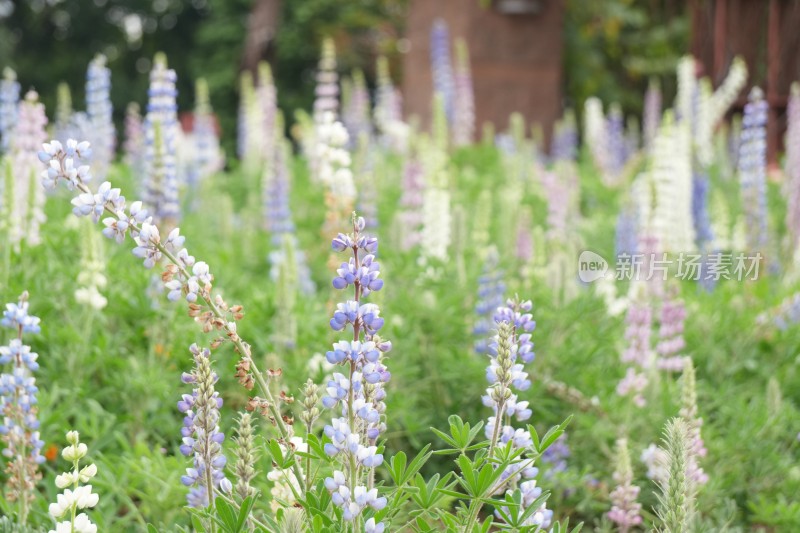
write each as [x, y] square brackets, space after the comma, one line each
[510, 350]
[64, 112]
[19, 425]
[99, 111]
[76, 497]
[565, 138]
[29, 198]
[464, 98]
[625, 510]
[91, 276]
[677, 496]
[652, 112]
[202, 438]
[161, 134]
[752, 170]
[327, 90]
[246, 457]
[410, 215]
[441, 65]
[694, 423]
[356, 112]
[357, 394]
[638, 353]
[670, 334]
[9, 102]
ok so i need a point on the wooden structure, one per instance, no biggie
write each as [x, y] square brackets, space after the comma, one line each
[765, 33]
[515, 49]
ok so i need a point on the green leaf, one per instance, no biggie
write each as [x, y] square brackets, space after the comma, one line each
[227, 516]
[244, 512]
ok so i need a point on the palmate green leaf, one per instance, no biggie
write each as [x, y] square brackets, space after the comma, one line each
[552, 435]
[461, 435]
[276, 454]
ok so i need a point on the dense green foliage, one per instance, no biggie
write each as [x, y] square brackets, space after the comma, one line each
[613, 47]
[115, 375]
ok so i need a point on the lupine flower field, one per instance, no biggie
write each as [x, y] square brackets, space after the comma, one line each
[360, 322]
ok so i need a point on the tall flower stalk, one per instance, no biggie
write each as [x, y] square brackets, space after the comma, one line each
[464, 103]
[134, 137]
[358, 393]
[625, 510]
[676, 499]
[753, 170]
[161, 134]
[202, 438]
[694, 423]
[327, 90]
[29, 199]
[441, 65]
[509, 352]
[99, 112]
[9, 102]
[671, 343]
[76, 497]
[19, 425]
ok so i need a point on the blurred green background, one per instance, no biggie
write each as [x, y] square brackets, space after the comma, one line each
[612, 47]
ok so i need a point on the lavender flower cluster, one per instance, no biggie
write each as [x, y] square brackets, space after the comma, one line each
[359, 392]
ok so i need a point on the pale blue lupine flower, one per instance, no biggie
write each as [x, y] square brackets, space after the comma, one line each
[9, 101]
[201, 436]
[359, 395]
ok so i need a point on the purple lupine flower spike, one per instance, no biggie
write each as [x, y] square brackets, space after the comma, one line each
[753, 170]
[9, 101]
[161, 132]
[441, 65]
[358, 394]
[652, 112]
[464, 98]
[509, 351]
[19, 425]
[99, 111]
[201, 436]
[625, 510]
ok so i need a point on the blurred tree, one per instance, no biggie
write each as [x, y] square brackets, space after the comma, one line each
[613, 47]
[48, 41]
